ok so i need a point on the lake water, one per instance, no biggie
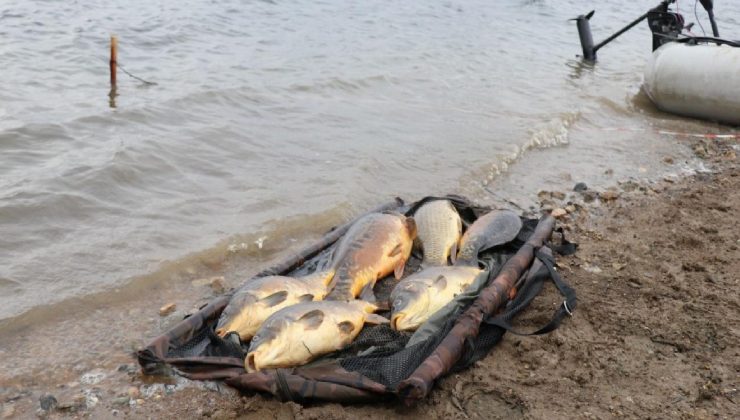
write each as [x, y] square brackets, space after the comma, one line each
[305, 111]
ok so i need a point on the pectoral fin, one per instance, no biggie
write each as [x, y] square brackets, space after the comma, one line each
[396, 250]
[367, 294]
[453, 253]
[398, 271]
[312, 320]
[375, 319]
[275, 298]
[440, 282]
[346, 327]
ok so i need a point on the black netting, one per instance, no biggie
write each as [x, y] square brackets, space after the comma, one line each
[379, 352]
[392, 364]
[206, 343]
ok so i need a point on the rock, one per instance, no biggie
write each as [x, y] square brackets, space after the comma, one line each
[134, 392]
[609, 195]
[8, 411]
[558, 212]
[558, 195]
[609, 172]
[167, 309]
[570, 208]
[139, 402]
[589, 196]
[114, 413]
[48, 402]
[217, 284]
[92, 378]
[120, 401]
[629, 186]
[668, 160]
[594, 269]
[581, 186]
[125, 368]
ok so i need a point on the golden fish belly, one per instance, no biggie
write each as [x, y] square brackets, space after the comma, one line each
[256, 301]
[299, 334]
[418, 297]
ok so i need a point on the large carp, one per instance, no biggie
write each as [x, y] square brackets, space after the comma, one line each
[375, 246]
[259, 298]
[492, 229]
[420, 295]
[300, 333]
[438, 231]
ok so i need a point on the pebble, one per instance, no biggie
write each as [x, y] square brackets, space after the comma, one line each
[594, 269]
[92, 378]
[558, 195]
[8, 411]
[609, 195]
[668, 160]
[558, 212]
[570, 208]
[134, 392]
[48, 402]
[581, 186]
[120, 401]
[167, 309]
[217, 284]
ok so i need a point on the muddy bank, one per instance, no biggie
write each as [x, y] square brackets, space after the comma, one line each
[656, 333]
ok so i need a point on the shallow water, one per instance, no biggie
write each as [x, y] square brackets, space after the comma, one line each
[305, 110]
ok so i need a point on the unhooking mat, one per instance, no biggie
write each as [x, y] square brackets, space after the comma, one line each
[381, 363]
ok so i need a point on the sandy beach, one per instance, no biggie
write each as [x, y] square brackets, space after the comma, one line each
[656, 333]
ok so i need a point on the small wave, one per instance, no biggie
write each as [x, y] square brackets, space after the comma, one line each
[554, 133]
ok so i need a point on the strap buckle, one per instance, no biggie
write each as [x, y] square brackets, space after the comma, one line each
[567, 310]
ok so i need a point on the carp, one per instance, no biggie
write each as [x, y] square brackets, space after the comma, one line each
[376, 245]
[439, 228]
[420, 295]
[259, 298]
[492, 229]
[297, 334]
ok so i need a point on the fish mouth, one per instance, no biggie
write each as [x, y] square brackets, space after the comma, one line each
[249, 363]
[395, 321]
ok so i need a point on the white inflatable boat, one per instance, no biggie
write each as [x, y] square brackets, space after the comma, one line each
[701, 81]
[686, 75]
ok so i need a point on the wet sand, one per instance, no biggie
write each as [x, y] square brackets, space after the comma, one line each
[656, 333]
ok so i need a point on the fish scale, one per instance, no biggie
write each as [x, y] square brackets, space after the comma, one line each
[375, 246]
[439, 230]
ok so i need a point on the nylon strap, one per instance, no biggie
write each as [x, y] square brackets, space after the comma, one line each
[528, 294]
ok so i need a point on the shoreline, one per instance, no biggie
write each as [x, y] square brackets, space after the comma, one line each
[653, 275]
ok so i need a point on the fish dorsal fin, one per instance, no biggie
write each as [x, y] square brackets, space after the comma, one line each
[376, 319]
[346, 327]
[312, 320]
[275, 298]
[440, 282]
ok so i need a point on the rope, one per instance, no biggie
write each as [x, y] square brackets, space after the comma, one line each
[135, 77]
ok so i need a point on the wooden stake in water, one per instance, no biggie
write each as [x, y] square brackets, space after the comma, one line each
[113, 60]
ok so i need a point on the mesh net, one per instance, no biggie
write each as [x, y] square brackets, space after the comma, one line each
[379, 352]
